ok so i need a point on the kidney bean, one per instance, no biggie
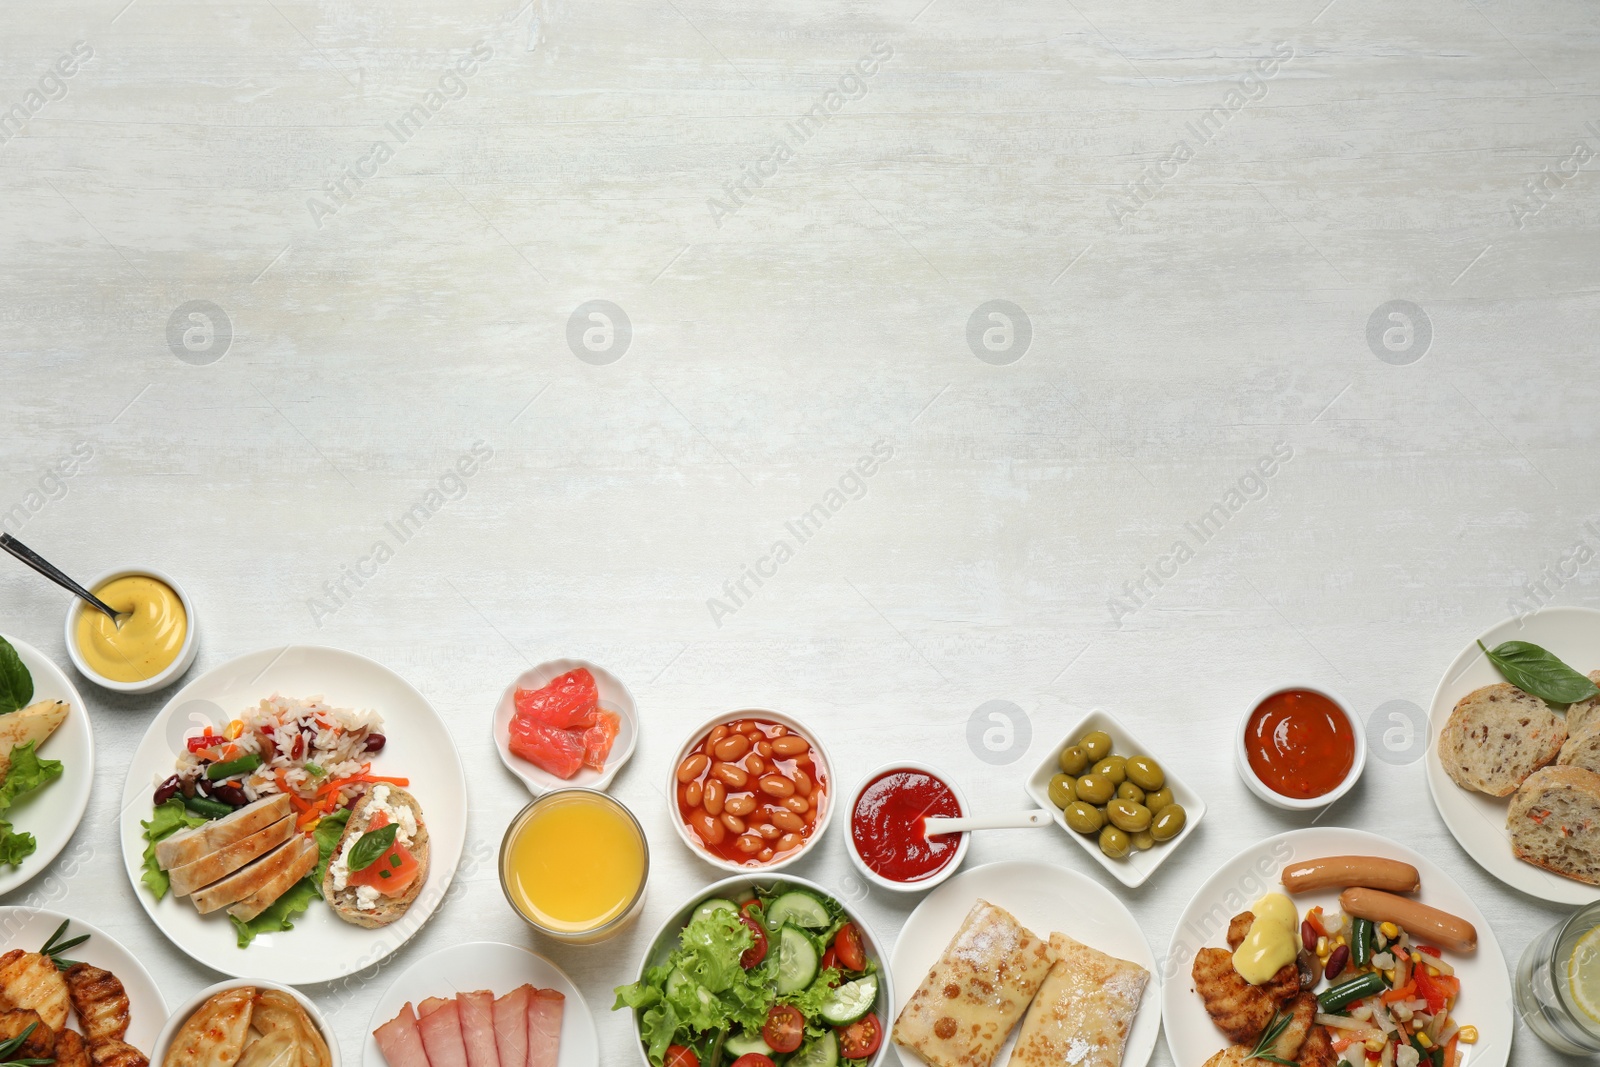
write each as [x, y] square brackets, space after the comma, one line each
[732, 747]
[749, 844]
[711, 830]
[765, 855]
[740, 805]
[755, 764]
[1308, 935]
[769, 831]
[789, 841]
[802, 783]
[693, 767]
[168, 789]
[375, 742]
[785, 819]
[730, 775]
[1336, 961]
[776, 785]
[797, 804]
[692, 793]
[713, 797]
[734, 824]
[230, 793]
[790, 746]
[764, 749]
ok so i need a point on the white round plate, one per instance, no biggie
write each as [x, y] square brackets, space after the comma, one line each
[321, 947]
[1044, 898]
[1192, 1038]
[495, 967]
[1478, 820]
[614, 696]
[52, 814]
[29, 928]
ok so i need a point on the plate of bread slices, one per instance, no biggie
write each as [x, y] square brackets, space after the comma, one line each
[294, 816]
[1514, 753]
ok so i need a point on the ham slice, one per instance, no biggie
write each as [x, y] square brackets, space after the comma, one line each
[400, 1042]
[431, 1005]
[477, 1028]
[544, 1027]
[511, 1027]
[441, 1036]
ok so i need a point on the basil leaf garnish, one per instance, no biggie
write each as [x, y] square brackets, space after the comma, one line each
[1535, 670]
[16, 684]
[370, 845]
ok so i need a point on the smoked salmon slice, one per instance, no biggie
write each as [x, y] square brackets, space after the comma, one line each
[558, 751]
[567, 702]
[597, 739]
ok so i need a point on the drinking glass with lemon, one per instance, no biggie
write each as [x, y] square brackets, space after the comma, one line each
[1558, 984]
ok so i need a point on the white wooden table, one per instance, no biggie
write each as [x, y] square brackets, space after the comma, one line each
[1198, 215]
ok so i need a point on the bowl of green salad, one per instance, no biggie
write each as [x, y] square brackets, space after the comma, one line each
[760, 971]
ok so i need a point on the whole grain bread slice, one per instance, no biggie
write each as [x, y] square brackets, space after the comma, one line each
[1555, 822]
[1585, 713]
[343, 901]
[1582, 749]
[1497, 736]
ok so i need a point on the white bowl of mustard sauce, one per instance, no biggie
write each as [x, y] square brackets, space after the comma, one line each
[153, 646]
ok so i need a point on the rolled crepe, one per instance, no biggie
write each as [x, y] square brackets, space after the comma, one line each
[1084, 1010]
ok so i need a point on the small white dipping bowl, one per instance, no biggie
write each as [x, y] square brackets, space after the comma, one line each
[820, 760]
[173, 670]
[1241, 755]
[888, 883]
[175, 1021]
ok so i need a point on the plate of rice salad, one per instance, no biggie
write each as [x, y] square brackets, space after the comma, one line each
[313, 731]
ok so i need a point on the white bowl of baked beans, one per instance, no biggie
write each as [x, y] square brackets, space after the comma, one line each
[753, 789]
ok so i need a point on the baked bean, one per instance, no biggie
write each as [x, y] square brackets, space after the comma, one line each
[789, 746]
[740, 805]
[711, 830]
[731, 748]
[769, 831]
[714, 794]
[764, 749]
[753, 730]
[718, 733]
[765, 855]
[730, 775]
[693, 767]
[755, 764]
[691, 794]
[778, 730]
[797, 804]
[776, 785]
[802, 783]
[734, 824]
[785, 819]
[749, 844]
[789, 841]
[738, 726]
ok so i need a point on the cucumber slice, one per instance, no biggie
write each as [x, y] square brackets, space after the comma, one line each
[797, 960]
[820, 1052]
[677, 981]
[798, 909]
[744, 1045]
[851, 1001]
[712, 906]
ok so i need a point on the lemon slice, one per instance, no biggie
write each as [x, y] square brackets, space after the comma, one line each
[1583, 974]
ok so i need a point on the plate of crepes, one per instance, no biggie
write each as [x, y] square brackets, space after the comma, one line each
[565, 723]
[1514, 756]
[295, 815]
[71, 994]
[1330, 946]
[46, 762]
[1030, 944]
[482, 1004]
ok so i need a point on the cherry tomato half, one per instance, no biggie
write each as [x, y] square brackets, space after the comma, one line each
[847, 946]
[830, 958]
[753, 1059]
[751, 909]
[678, 1056]
[758, 951]
[861, 1038]
[785, 1028]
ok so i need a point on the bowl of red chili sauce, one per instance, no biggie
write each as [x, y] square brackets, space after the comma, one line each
[1300, 748]
[886, 840]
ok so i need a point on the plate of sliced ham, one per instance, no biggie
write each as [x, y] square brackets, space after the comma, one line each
[482, 1004]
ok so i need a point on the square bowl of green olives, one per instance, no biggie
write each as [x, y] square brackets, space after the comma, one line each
[1111, 794]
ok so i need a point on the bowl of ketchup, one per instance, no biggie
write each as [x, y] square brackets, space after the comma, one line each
[1300, 748]
[886, 840]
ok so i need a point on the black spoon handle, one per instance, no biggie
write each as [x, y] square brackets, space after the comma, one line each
[52, 572]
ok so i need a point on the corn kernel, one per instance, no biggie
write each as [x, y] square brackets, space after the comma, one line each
[1422, 1039]
[1389, 929]
[234, 731]
[1322, 946]
[1374, 1044]
[1468, 1035]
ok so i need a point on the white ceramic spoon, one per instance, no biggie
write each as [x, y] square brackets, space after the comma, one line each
[1011, 820]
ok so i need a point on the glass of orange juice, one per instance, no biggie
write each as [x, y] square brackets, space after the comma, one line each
[574, 864]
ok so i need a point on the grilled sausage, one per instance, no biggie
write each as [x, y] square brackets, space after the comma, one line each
[1342, 872]
[1429, 925]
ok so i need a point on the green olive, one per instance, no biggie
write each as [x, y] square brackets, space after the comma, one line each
[1096, 746]
[1169, 822]
[1084, 818]
[1146, 773]
[1095, 789]
[1129, 791]
[1073, 760]
[1114, 842]
[1144, 840]
[1126, 815]
[1114, 768]
[1063, 790]
[1159, 799]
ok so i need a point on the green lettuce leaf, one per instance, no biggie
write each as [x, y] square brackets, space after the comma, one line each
[279, 912]
[15, 847]
[166, 820]
[28, 772]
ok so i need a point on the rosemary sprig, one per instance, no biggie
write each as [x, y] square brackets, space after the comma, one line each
[53, 949]
[1269, 1037]
[9, 1049]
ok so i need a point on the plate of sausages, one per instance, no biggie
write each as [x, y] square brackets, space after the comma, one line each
[1326, 937]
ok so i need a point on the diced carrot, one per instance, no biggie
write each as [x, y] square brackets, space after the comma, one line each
[402, 782]
[1394, 996]
[1314, 917]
